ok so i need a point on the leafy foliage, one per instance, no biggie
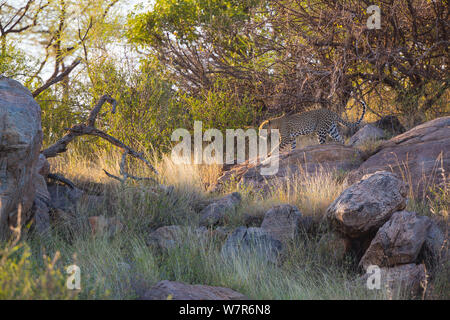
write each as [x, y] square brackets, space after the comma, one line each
[21, 278]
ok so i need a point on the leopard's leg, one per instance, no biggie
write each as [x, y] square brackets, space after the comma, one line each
[293, 139]
[293, 144]
[321, 135]
[334, 133]
[285, 141]
[282, 145]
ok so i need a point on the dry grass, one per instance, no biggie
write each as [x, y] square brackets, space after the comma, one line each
[312, 193]
[369, 147]
[120, 267]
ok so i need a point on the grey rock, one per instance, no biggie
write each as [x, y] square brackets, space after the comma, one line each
[20, 144]
[435, 247]
[172, 290]
[365, 134]
[166, 237]
[398, 241]
[282, 222]
[333, 245]
[297, 163]
[423, 151]
[407, 280]
[368, 204]
[214, 213]
[244, 242]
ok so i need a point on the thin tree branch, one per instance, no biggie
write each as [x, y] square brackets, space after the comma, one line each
[89, 128]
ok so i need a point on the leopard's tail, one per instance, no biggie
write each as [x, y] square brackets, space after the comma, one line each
[354, 125]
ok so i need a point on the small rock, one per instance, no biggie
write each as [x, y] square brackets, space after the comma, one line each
[366, 133]
[214, 213]
[368, 204]
[172, 290]
[101, 225]
[165, 237]
[252, 241]
[398, 241]
[282, 222]
[41, 216]
[168, 237]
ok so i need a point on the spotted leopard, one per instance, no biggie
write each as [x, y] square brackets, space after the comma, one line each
[322, 121]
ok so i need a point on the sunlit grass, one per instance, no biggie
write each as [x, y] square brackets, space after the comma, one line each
[123, 266]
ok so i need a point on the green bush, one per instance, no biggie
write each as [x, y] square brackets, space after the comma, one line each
[21, 277]
[148, 107]
[221, 109]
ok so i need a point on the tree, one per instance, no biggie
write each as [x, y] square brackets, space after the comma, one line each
[61, 28]
[292, 54]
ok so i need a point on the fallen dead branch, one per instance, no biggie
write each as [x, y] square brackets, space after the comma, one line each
[89, 128]
[57, 177]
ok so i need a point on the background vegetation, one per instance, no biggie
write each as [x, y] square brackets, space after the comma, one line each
[230, 64]
[227, 63]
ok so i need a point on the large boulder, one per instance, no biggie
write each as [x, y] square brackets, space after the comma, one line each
[297, 163]
[20, 143]
[282, 222]
[420, 155]
[172, 290]
[365, 134]
[398, 241]
[366, 205]
[215, 212]
[245, 242]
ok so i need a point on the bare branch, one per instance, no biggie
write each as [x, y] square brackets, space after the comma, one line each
[58, 78]
[89, 128]
[57, 177]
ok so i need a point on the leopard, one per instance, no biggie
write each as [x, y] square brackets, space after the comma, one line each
[321, 121]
